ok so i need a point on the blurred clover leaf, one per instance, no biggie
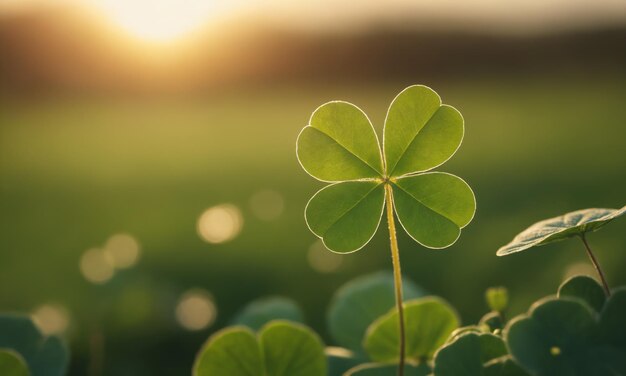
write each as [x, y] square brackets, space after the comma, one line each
[497, 298]
[429, 322]
[420, 133]
[376, 369]
[12, 364]
[585, 288]
[261, 311]
[471, 354]
[360, 302]
[44, 356]
[577, 223]
[280, 349]
[565, 336]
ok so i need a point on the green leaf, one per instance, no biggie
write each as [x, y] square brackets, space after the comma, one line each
[468, 354]
[612, 326]
[433, 207]
[346, 215]
[12, 364]
[561, 227]
[492, 321]
[359, 302]
[339, 144]
[231, 351]
[261, 311]
[281, 349]
[291, 349]
[420, 133]
[497, 298]
[585, 288]
[503, 366]
[375, 369]
[564, 337]
[45, 356]
[428, 323]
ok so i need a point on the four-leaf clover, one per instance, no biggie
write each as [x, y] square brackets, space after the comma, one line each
[420, 133]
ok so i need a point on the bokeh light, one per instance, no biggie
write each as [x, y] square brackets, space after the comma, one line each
[196, 310]
[96, 267]
[220, 223]
[122, 250]
[51, 319]
[322, 260]
[267, 205]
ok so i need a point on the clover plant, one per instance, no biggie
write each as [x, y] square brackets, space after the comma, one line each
[577, 223]
[340, 146]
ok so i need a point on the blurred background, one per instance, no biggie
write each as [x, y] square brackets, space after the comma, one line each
[148, 181]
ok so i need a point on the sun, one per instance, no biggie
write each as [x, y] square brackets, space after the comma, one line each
[160, 20]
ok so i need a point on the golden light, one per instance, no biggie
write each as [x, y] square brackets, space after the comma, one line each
[160, 20]
[220, 223]
[267, 205]
[51, 319]
[196, 310]
[96, 267]
[322, 260]
[122, 250]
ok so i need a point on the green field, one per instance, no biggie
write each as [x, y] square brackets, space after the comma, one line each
[74, 171]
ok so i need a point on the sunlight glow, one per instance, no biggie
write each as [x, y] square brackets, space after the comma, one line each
[51, 319]
[220, 223]
[159, 20]
[196, 310]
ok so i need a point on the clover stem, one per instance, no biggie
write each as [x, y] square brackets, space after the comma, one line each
[596, 265]
[397, 275]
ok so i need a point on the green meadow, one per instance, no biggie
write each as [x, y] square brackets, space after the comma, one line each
[76, 170]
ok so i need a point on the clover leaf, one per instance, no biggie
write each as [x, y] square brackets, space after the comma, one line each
[360, 302]
[420, 133]
[429, 322]
[280, 349]
[562, 227]
[261, 311]
[577, 223]
[377, 369]
[44, 356]
[12, 364]
[585, 288]
[468, 355]
[565, 336]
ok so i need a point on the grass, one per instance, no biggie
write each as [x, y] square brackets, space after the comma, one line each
[74, 171]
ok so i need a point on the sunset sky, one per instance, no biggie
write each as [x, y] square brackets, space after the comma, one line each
[166, 20]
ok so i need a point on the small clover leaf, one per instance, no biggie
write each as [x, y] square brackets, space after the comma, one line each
[585, 288]
[429, 322]
[360, 302]
[280, 349]
[377, 369]
[340, 145]
[44, 356]
[559, 228]
[261, 311]
[468, 355]
[12, 364]
[565, 336]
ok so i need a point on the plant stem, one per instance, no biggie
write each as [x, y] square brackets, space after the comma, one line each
[397, 275]
[596, 265]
